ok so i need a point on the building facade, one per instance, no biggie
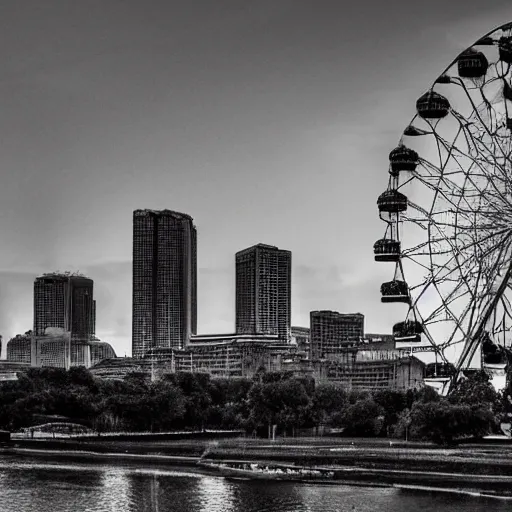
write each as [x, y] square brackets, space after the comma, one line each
[331, 331]
[230, 357]
[164, 280]
[54, 349]
[263, 291]
[300, 337]
[19, 348]
[245, 357]
[101, 350]
[64, 301]
[64, 320]
[9, 370]
[379, 341]
[372, 371]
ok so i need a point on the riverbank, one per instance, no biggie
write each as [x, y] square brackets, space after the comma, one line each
[474, 468]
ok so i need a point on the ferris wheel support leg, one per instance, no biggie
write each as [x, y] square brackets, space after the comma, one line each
[471, 345]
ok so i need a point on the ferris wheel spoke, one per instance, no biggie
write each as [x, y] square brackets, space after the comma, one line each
[429, 337]
[482, 124]
[470, 309]
[435, 285]
[507, 307]
[458, 292]
[490, 183]
[486, 161]
[491, 199]
[454, 260]
[488, 309]
[459, 194]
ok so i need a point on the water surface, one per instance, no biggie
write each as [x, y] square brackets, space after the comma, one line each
[30, 485]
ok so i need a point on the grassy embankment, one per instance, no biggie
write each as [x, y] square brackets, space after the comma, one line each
[483, 466]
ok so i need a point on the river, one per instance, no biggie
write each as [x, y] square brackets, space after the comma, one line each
[31, 485]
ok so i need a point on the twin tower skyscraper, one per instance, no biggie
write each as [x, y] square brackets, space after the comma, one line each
[165, 284]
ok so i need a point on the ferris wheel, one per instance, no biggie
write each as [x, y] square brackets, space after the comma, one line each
[448, 215]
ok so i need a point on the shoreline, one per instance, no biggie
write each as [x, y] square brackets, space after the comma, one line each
[88, 455]
[493, 485]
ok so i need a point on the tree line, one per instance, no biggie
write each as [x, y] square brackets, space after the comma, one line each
[187, 401]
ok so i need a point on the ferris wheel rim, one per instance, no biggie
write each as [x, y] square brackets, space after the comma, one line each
[504, 26]
[506, 281]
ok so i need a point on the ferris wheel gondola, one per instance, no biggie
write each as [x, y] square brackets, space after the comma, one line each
[448, 215]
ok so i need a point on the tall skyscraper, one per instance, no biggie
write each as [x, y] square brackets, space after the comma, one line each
[330, 331]
[63, 320]
[164, 280]
[263, 291]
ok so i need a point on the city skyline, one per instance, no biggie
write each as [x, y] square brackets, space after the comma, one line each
[271, 264]
[268, 122]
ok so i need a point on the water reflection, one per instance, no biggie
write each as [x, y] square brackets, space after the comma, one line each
[262, 496]
[157, 491]
[215, 495]
[32, 486]
[115, 491]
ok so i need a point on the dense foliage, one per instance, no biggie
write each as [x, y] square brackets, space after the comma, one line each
[195, 401]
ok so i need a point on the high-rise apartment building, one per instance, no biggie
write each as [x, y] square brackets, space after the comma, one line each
[64, 301]
[164, 280]
[331, 331]
[263, 291]
[64, 317]
[93, 327]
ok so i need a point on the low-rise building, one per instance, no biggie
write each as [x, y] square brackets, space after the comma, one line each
[332, 332]
[361, 364]
[373, 370]
[230, 357]
[19, 348]
[301, 338]
[9, 370]
[100, 350]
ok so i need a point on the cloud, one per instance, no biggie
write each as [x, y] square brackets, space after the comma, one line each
[344, 289]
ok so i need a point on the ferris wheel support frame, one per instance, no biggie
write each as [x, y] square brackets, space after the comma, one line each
[471, 345]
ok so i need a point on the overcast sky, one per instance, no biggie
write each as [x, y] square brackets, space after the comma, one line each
[267, 121]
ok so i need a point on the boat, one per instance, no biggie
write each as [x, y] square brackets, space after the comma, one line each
[266, 471]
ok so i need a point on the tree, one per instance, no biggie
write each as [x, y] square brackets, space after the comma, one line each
[363, 418]
[327, 403]
[426, 394]
[400, 429]
[477, 391]
[167, 405]
[278, 401]
[444, 423]
[393, 403]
